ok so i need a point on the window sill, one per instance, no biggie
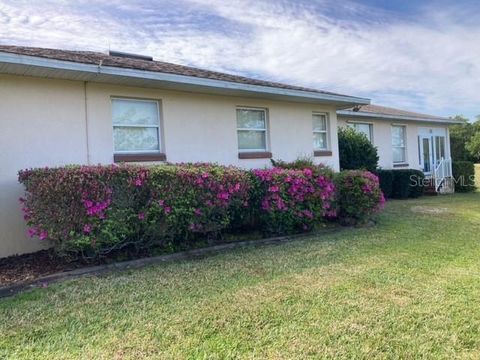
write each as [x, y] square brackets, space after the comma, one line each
[139, 157]
[255, 155]
[400, 165]
[322, 153]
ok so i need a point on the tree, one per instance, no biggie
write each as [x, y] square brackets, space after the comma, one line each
[356, 151]
[460, 135]
[473, 146]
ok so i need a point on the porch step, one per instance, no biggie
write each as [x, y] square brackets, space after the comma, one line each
[446, 187]
[429, 188]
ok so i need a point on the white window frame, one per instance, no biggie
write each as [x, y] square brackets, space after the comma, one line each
[370, 126]
[405, 160]
[158, 126]
[264, 130]
[326, 131]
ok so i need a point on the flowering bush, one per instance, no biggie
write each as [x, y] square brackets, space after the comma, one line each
[358, 196]
[292, 200]
[86, 210]
[92, 211]
[195, 199]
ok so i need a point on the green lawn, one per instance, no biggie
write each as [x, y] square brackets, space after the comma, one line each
[407, 288]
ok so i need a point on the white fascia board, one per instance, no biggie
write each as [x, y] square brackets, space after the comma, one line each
[361, 114]
[96, 70]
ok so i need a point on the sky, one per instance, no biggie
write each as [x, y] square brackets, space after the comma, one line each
[421, 56]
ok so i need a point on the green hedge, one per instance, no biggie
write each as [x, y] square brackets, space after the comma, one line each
[464, 176]
[417, 182]
[386, 181]
[401, 184]
[356, 151]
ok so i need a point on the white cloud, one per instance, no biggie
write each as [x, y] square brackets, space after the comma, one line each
[427, 63]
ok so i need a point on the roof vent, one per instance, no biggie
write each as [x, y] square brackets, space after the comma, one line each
[130, 56]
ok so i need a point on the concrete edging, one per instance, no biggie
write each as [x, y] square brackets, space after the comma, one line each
[11, 290]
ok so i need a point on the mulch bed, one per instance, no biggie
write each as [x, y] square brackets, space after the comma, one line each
[27, 267]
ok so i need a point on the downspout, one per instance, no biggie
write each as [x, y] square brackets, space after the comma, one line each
[86, 120]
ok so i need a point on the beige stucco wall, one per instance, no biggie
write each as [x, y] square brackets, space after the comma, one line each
[382, 139]
[42, 123]
[199, 127]
[46, 122]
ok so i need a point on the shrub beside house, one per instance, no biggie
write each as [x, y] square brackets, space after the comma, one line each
[358, 153]
[464, 176]
[97, 211]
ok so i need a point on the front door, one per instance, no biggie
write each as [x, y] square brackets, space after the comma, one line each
[426, 153]
[431, 148]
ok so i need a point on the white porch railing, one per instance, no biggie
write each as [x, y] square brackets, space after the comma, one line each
[442, 172]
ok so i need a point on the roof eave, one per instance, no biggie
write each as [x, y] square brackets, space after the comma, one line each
[28, 65]
[361, 114]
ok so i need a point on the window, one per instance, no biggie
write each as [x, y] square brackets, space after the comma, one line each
[252, 129]
[136, 126]
[363, 128]
[399, 143]
[320, 131]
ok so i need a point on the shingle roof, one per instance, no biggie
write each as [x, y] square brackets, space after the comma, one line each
[90, 57]
[391, 112]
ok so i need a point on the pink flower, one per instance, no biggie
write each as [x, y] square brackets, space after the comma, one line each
[266, 205]
[141, 216]
[198, 212]
[138, 182]
[43, 235]
[308, 214]
[281, 204]
[308, 172]
[161, 202]
[273, 188]
[223, 195]
[168, 210]
[367, 189]
[87, 228]
[32, 232]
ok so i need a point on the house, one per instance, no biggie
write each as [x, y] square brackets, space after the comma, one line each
[76, 107]
[405, 139]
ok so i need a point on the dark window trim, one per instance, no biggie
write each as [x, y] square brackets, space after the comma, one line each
[255, 155]
[322, 153]
[139, 157]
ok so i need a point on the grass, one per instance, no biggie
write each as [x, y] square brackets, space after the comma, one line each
[407, 288]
